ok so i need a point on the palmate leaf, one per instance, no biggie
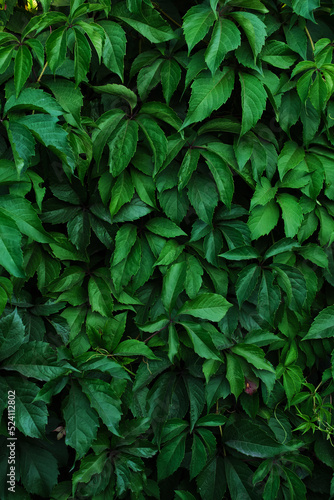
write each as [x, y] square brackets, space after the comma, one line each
[208, 94]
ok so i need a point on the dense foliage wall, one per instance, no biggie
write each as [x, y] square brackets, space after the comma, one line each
[166, 249]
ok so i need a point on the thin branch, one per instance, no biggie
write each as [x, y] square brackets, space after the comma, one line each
[309, 37]
[42, 72]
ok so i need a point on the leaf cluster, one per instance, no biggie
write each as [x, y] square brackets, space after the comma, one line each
[166, 249]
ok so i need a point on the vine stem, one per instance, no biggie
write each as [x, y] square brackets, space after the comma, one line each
[309, 37]
[156, 333]
[42, 72]
[166, 15]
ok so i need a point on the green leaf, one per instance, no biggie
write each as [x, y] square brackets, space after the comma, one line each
[12, 334]
[272, 486]
[89, 466]
[170, 77]
[246, 282]
[82, 56]
[133, 348]
[292, 281]
[237, 477]
[278, 54]
[225, 37]
[322, 326]
[173, 284]
[25, 217]
[305, 8]
[291, 212]
[269, 297]
[38, 468]
[196, 24]
[22, 143]
[188, 166]
[194, 274]
[119, 91]
[35, 99]
[55, 48]
[315, 254]
[148, 22]
[6, 56]
[254, 28]
[210, 306]
[264, 193]
[30, 417]
[250, 439]
[222, 176]
[281, 246]
[263, 219]
[254, 355]
[10, 246]
[161, 111]
[35, 359]
[164, 227]
[196, 394]
[203, 196]
[169, 253]
[201, 340]
[99, 294]
[253, 101]
[235, 374]
[81, 421]
[22, 67]
[47, 131]
[106, 125]
[290, 156]
[241, 253]
[122, 146]
[114, 47]
[104, 400]
[184, 495]
[318, 93]
[211, 482]
[121, 193]
[198, 457]
[156, 139]
[171, 456]
[173, 342]
[209, 93]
